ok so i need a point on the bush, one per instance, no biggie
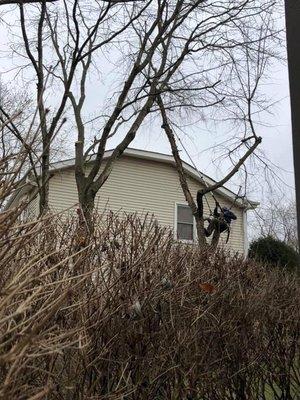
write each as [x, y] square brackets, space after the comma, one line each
[128, 314]
[273, 251]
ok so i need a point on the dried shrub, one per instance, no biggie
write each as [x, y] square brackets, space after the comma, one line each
[129, 314]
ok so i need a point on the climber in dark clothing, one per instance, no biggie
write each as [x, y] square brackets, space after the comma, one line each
[221, 221]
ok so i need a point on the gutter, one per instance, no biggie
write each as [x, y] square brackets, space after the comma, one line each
[165, 158]
[154, 156]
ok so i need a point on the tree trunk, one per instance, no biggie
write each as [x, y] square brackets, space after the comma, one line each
[87, 204]
[197, 212]
[215, 239]
[45, 175]
[200, 231]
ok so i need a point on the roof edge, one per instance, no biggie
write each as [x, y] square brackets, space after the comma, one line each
[166, 158]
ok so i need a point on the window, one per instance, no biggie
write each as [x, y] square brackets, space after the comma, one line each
[185, 222]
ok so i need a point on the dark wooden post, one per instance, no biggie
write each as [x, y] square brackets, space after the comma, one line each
[292, 18]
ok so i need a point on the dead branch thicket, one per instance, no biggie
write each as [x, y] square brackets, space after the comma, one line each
[128, 314]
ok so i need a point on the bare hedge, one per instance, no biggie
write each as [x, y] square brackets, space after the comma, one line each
[127, 314]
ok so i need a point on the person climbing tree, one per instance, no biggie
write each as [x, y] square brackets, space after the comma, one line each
[221, 221]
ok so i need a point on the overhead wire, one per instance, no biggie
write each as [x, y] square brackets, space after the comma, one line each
[199, 173]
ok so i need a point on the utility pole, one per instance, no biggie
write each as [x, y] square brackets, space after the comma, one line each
[292, 20]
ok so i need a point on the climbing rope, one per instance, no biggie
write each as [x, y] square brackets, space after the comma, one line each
[200, 175]
[237, 196]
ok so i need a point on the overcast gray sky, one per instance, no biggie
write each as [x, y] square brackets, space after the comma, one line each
[277, 140]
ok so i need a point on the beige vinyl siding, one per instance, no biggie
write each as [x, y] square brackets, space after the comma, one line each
[142, 186]
[33, 207]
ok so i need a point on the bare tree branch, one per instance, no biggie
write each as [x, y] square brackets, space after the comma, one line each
[21, 2]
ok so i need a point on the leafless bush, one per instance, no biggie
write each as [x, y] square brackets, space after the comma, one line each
[127, 314]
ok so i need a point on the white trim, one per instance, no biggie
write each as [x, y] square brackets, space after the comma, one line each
[183, 203]
[154, 156]
[245, 227]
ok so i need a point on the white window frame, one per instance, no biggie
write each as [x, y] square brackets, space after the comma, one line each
[182, 203]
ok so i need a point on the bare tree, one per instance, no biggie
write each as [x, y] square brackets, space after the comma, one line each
[19, 142]
[277, 218]
[19, 156]
[166, 42]
[173, 53]
[87, 31]
[247, 64]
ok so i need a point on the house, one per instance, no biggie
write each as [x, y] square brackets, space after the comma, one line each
[146, 182]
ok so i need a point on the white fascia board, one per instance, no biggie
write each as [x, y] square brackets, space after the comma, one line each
[246, 239]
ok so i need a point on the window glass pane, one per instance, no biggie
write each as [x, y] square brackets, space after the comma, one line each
[184, 214]
[184, 231]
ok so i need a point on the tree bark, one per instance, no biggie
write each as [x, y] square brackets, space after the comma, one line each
[215, 239]
[45, 176]
[87, 203]
[182, 177]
